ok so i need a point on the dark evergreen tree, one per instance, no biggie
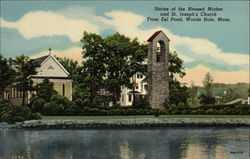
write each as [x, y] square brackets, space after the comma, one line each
[45, 90]
[25, 67]
[124, 59]
[7, 74]
[177, 92]
[207, 96]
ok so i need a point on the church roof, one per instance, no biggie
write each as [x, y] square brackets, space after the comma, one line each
[38, 61]
[155, 35]
[145, 80]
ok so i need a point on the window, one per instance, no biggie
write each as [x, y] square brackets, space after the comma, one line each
[63, 90]
[145, 87]
[19, 91]
[15, 92]
[135, 85]
[50, 67]
[130, 97]
[12, 93]
[122, 98]
[139, 75]
[4, 95]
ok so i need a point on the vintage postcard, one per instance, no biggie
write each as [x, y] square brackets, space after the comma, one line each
[124, 79]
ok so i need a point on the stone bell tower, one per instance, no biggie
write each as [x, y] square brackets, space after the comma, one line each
[158, 57]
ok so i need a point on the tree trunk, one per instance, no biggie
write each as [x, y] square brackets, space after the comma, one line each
[92, 93]
[23, 91]
[118, 93]
[114, 97]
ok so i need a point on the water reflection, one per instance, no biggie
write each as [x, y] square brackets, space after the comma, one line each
[167, 143]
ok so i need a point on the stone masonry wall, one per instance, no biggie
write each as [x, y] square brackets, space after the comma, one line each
[158, 72]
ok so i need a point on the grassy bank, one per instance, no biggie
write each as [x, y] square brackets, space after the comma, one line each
[145, 116]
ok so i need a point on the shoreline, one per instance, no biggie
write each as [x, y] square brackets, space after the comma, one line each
[133, 123]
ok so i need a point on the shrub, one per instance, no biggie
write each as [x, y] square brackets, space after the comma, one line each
[141, 102]
[37, 104]
[58, 105]
[103, 100]
[50, 108]
[12, 114]
[206, 99]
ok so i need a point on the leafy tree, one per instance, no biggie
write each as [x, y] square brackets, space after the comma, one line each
[175, 66]
[110, 62]
[94, 67]
[208, 84]
[81, 86]
[25, 68]
[124, 59]
[12, 114]
[141, 102]
[7, 74]
[193, 90]
[81, 95]
[45, 90]
[207, 96]
[47, 100]
[178, 93]
[103, 100]
[71, 66]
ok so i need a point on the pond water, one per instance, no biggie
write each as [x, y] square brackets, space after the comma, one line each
[141, 143]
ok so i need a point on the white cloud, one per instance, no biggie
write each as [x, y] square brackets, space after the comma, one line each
[40, 23]
[198, 73]
[74, 53]
[205, 47]
[129, 23]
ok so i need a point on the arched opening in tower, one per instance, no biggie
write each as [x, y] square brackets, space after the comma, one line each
[160, 52]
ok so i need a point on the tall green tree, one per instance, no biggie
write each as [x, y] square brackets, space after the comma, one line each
[178, 92]
[25, 67]
[94, 68]
[176, 67]
[110, 62]
[70, 65]
[207, 96]
[193, 90]
[125, 57]
[45, 90]
[7, 74]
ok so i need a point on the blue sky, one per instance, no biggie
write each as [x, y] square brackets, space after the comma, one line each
[30, 27]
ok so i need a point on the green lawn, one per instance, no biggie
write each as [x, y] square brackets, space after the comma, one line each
[145, 116]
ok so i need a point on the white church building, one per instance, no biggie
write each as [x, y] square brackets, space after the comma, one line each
[46, 67]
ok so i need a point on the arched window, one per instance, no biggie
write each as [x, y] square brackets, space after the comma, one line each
[63, 89]
[160, 52]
